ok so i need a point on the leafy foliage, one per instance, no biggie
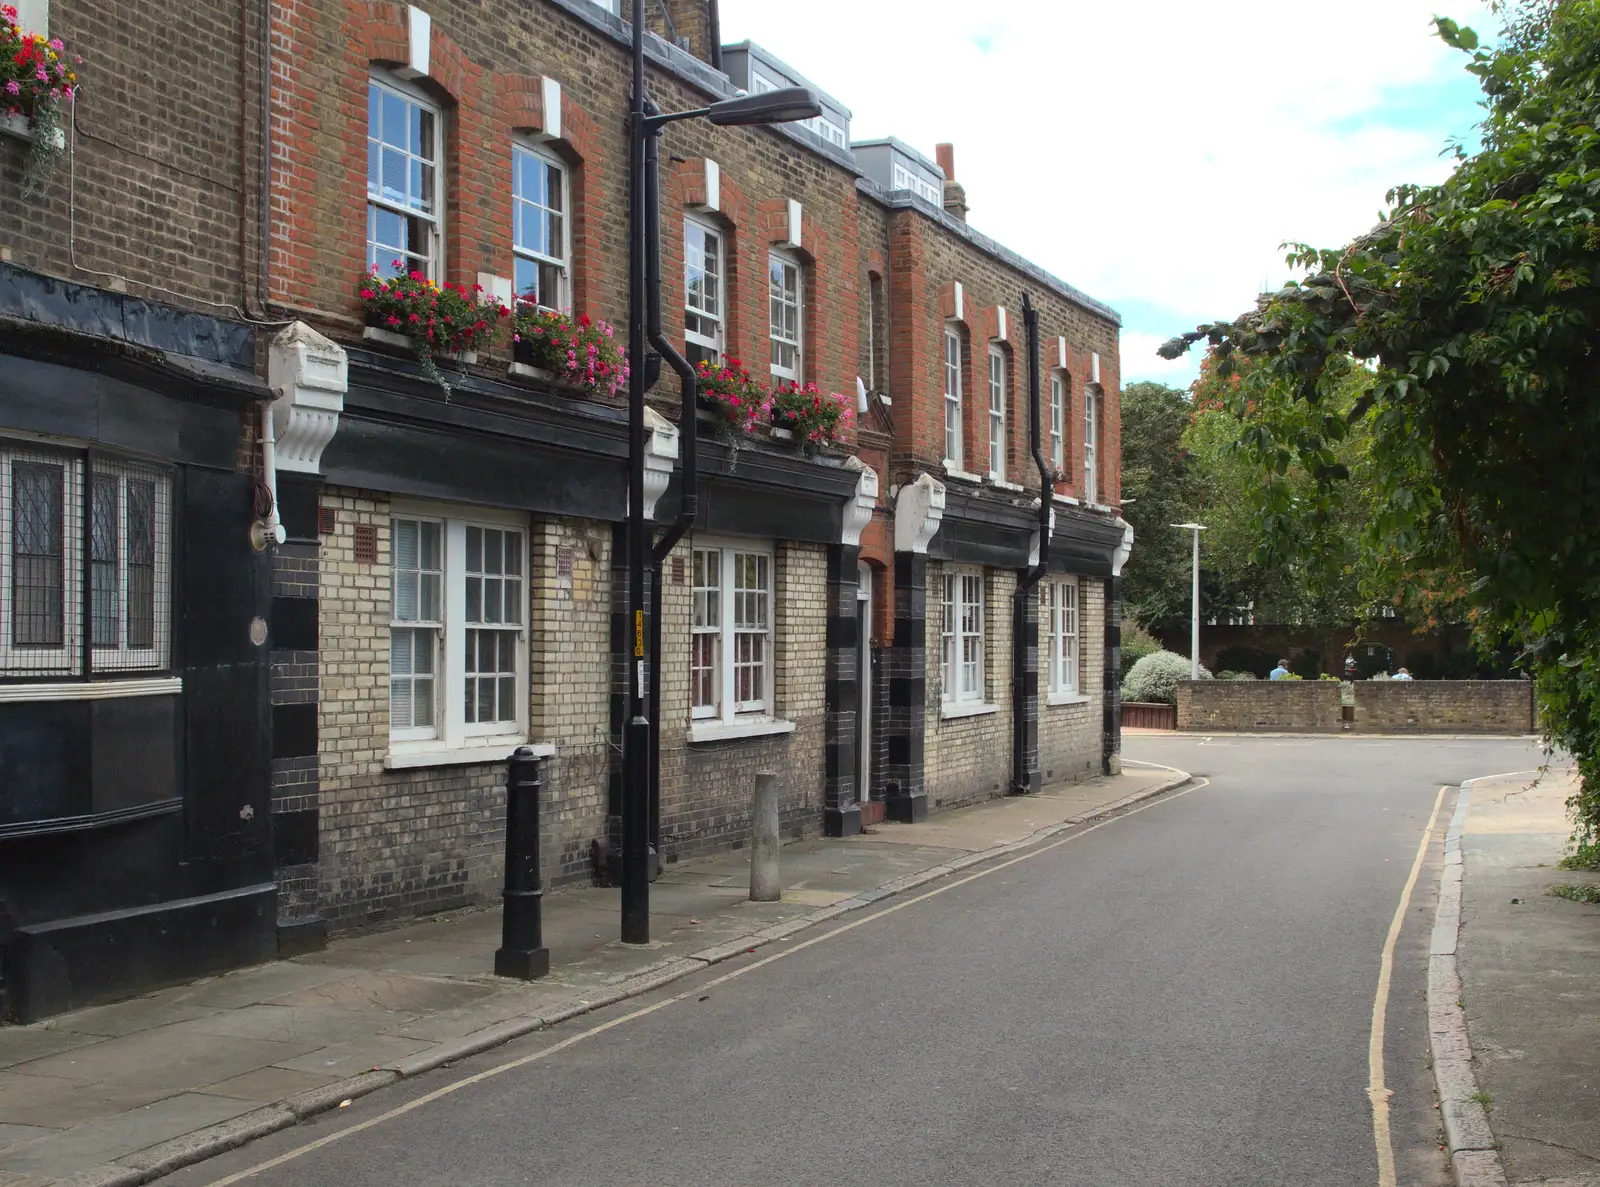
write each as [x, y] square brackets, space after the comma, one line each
[1473, 305]
[35, 79]
[581, 351]
[1161, 486]
[814, 417]
[1155, 678]
[1136, 644]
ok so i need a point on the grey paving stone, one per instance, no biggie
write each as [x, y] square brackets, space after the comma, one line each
[55, 1103]
[122, 1018]
[392, 991]
[99, 1141]
[316, 1025]
[10, 1135]
[22, 1044]
[268, 1084]
[358, 1055]
[170, 1058]
[250, 986]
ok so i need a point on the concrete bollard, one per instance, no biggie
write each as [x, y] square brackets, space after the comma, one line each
[765, 886]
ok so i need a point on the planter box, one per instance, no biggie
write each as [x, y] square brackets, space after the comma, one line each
[390, 338]
[16, 125]
[779, 433]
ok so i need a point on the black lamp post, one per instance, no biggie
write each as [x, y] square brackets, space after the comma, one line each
[644, 317]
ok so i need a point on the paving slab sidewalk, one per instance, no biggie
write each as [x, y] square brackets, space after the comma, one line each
[120, 1094]
[1529, 966]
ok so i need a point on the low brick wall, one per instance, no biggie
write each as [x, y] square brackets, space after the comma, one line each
[1444, 706]
[1304, 706]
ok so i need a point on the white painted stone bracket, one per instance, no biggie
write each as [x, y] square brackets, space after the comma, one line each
[660, 458]
[1033, 537]
[917, 513]
[1124, 550]
[310, 374]
[858, 511]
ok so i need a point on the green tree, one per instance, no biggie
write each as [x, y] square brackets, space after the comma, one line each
[1160, 487]
[1474, 304]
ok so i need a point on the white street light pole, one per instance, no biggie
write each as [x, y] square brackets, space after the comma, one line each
[1194, 621]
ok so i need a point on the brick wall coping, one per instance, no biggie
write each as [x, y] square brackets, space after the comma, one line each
[691, 70]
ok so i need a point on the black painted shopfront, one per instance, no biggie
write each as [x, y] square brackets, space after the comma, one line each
[135, 832]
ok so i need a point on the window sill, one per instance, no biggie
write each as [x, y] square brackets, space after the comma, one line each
[1070, 500]
[1066, 698]
[728, 731]
[1002, 484]
[957, 472]
[92, 690]
[462, 756]
[967, 709]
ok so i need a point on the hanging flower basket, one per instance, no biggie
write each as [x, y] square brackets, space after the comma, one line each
[35, 80]
[812, 418]
[582, 351]
[430, 318]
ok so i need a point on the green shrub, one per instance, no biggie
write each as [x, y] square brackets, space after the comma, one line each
[1136, 644]
[1155, 678]
[1237, 676]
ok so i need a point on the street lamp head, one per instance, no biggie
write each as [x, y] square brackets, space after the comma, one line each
[1189, 527]
[782, 106]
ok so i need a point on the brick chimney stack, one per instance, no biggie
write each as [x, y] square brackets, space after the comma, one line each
[955, 194]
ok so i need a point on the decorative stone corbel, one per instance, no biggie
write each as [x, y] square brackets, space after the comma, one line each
[1033, 538]
[660, 458]
[310, 375]
[858, 511]
[917, 512]
[1120, 556]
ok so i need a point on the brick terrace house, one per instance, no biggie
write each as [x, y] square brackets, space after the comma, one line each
[850, 620]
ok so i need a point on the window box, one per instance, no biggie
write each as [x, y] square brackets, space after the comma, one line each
[782, 433]
[17, 125]
[390, 338]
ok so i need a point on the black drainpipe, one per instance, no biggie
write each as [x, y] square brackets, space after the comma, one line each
[689, 475]
[1022, 780]
[716, 35]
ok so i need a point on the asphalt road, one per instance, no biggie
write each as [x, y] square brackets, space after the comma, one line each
[1181, 996]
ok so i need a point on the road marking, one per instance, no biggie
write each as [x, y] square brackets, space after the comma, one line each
[573, 1040]
[1377, 1093]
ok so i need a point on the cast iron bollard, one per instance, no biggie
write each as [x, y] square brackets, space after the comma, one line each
[522, 952]
[765, 886]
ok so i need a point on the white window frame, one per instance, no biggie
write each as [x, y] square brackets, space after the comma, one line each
[997, 413]
[614, 7]
[904, 179]
[1058, 420]
[562, 263]
[451, 737]
[717, 318]
[760, 84]
[961, 649]
[953, 445]
[728, 710]
[1091, 418]
[780, 297]
[384, 81]
[1061, 611]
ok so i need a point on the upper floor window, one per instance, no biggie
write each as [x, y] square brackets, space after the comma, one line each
[46, 533]
[952, 397]
[1058, 420]
[997, 413]
[457, 636]
[787, 285]
[539, 227]
[730, 653]
[1091, 429]
[961, 654]
[828, 130]
[1058, 600]
[702, 291]
[904, 179]
[404, 205]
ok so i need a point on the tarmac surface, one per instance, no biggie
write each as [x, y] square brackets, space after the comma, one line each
[1179, 993]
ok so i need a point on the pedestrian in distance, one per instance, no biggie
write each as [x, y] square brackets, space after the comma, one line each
[1281, 672]
[1402, 674]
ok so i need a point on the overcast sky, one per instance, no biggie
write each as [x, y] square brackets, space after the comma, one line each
[1154, 153]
